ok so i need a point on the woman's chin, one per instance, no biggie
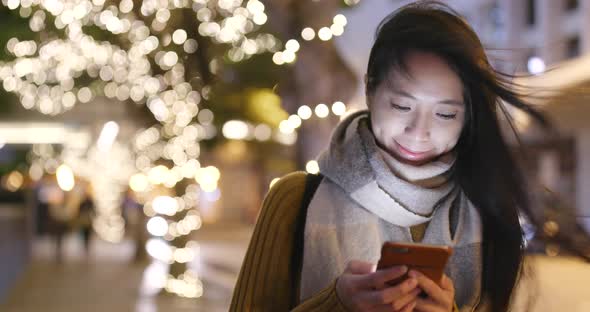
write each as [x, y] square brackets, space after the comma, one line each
[414, 161]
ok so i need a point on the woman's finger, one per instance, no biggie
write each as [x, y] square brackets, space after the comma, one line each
[426, 305]
[389, 295]
[401, 302]
[381, 308]
[430, 287]
[447, 284]
[379, 278]
[409, 307]
[359, 267]
[393, 293]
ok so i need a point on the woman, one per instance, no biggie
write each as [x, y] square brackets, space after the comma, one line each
[426, 163]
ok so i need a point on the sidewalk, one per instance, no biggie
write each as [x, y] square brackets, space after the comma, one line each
[109, 282]
[557, 284]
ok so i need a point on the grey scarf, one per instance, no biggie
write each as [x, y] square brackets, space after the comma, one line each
[362, 204]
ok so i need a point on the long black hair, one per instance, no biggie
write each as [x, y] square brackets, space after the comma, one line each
[485, 168]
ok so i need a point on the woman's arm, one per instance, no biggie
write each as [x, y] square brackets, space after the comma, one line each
[266, 280]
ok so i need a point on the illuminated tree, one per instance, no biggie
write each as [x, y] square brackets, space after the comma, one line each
[202, 68]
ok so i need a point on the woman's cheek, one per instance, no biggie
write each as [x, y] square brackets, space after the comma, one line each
[453, 140]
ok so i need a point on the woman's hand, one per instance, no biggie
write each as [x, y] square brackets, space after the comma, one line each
[440, 299]
[361, 288]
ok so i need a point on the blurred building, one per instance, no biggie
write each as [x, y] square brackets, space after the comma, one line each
[532, 36]
[551, 30]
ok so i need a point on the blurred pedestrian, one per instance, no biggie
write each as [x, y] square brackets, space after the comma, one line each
[135, 221]
[426, 163]
[59, 214]
[85, 216]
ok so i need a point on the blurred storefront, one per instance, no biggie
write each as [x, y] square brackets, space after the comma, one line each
[16, 233]
[563, 162]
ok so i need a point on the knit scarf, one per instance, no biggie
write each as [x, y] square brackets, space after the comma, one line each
[364, 171]
[368, 197]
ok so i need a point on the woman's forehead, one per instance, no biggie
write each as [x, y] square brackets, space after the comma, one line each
[433, 78]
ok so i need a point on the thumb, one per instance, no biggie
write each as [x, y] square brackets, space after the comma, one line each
[447, 283]
[359, 267]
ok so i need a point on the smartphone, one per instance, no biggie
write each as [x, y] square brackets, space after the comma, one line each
[430, 260]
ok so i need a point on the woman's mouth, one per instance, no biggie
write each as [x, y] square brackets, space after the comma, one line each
[410, 154]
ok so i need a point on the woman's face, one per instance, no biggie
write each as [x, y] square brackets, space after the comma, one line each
[418, 116]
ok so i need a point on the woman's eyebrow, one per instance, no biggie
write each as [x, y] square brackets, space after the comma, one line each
[448, 101]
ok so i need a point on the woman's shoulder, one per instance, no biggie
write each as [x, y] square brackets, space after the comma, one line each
[283, 200]
[290, 181]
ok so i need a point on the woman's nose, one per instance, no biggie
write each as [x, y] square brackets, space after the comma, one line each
[419, 128]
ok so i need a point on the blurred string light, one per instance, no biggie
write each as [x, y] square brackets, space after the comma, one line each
[13, 181]
[312, 167]
[165, 205]
[161, 250]
[304, 113]
[139, 182]
[186, 284]
[78, 159]
[127, 74]
[44, 75]
[109, 183]
[43, 160]
[236, 130]
[208, 178]
[290, 125]
[107, 165]
[536, 65]
[65, 178]
[241, 130]
[172, 218]
[289, 54]
[107, 136]
[286, 133]
[157, 226]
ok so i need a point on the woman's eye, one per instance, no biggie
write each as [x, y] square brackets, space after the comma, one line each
[400, 108]
[447, 116]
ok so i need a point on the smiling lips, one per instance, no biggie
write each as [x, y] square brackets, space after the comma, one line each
[411, 154]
